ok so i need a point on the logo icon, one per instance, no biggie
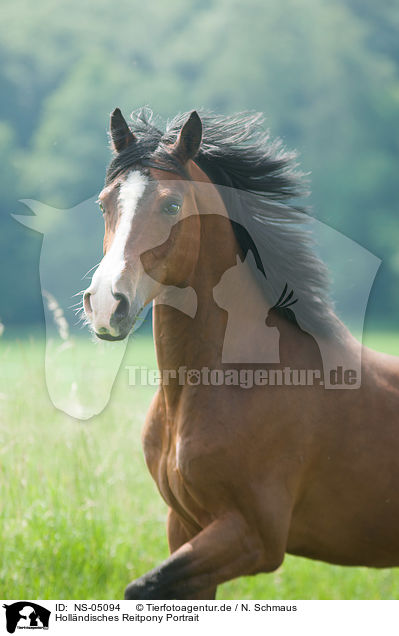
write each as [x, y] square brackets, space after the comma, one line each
[26, 615]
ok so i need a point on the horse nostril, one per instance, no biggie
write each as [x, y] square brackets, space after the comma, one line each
[122, 308]
[86, 303]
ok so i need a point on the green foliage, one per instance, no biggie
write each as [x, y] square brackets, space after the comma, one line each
[325, 74]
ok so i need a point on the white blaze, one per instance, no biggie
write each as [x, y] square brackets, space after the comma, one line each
[113, 263]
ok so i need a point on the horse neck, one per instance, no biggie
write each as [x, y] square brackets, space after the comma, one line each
[196, 342]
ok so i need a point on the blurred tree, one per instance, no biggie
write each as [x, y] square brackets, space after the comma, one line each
[325, 74]
[19, 249]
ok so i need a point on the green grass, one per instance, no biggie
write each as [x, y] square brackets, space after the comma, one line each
[80, 515]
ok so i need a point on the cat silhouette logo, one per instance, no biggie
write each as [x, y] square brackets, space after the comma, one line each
[26, 615]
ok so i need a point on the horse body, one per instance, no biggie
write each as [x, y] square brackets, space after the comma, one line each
[307, 471]
[251, 474]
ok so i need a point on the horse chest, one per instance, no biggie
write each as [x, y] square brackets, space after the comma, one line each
[165, 456]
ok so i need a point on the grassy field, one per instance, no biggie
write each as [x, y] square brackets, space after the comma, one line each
[80, 515]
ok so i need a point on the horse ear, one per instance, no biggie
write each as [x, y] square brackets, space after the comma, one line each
[121, 135]
[189, 139]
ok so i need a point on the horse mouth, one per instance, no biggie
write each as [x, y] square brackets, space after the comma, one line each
[107, 336]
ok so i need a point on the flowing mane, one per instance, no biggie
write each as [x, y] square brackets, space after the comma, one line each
[259, 182]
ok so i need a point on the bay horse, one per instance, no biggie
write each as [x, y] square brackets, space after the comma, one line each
[248, 474]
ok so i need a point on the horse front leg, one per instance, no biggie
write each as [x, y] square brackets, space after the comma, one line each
[178, 534]
[224, 550]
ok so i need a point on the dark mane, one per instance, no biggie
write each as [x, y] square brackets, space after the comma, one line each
[257, 180]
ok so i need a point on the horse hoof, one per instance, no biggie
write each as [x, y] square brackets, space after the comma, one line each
[135, 591]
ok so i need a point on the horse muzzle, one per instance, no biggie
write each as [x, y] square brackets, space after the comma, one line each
[110, 312]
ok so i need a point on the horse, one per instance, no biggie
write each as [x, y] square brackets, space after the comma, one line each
[248, 474]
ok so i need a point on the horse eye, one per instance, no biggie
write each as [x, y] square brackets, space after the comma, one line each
[102, 208]
[171, 208]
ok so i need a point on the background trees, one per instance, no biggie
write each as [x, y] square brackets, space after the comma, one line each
[325, 74]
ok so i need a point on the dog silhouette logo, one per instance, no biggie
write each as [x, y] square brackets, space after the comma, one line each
[236, 294]
[26, 615]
